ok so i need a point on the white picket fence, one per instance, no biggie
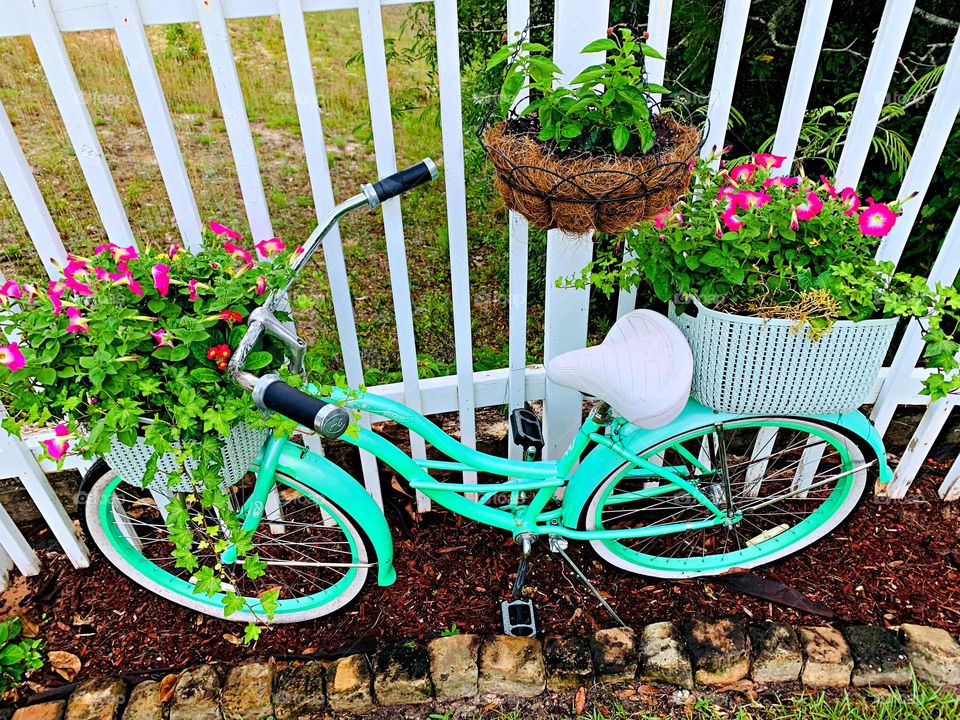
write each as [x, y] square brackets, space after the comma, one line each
[575, 23]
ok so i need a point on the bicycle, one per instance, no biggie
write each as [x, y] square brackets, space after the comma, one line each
[656, 483]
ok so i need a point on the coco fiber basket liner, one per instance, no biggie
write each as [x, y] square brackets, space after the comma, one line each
[578, 193]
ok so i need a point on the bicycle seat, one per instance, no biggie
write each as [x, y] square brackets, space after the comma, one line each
[643, 369]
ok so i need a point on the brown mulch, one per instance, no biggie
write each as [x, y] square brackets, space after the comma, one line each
[893, 563]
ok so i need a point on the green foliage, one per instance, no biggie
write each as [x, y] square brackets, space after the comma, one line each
[754, 245]
[450, 631]
[604, 108]
[129, 345]
[18, 655]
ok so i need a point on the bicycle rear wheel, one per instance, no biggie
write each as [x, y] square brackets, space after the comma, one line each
[315, 552]
[783, 482]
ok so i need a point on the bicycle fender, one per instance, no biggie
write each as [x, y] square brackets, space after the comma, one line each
[600, 462]
[318, 473]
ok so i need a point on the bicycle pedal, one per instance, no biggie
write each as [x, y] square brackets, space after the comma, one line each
[519, 619]
[527, 432]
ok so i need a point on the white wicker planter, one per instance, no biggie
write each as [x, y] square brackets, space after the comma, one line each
[756, 365]
[239, 450]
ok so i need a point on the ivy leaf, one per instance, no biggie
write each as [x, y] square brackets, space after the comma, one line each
[232, 603]
[251, 633]
[269, 601]
[206, 583]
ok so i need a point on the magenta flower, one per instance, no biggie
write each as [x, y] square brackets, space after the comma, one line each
[660, 219]
[123, 278]
[192, 287]
[55, 292]
[78, 287]
[769, 160]
[160, 337]
[730, 218]
[161, 279]
[118, 253]
[59, 444]
[850, 198]
[261, 287]
[748, 199]
[11, 357]
[297, 252]
[219, 229]
[743, 173]
[270, 247]
[794, 223]
[10, 290]
[810, 208]
[877, 220]
[75, 268]
[726, 191]
[77, 323]
[238, 253]
[783, 182]
[174, 249]
[31, 291]
[828, 186]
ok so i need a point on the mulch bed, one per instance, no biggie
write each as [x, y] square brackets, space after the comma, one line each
[892, 563]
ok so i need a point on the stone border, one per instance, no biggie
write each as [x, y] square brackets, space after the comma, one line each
[714, 652]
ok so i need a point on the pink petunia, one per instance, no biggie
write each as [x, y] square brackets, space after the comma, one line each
[877, 220]
[660, 219]
[55, 291]
[828, 186]
[261, 287]
[59, 444]
[161, 279]
[10, 290]
[238, 253]
[192, 287]
[77, 323]
[118, 253]
[810, 208]
[80, 288]
[297, 252]
[730, 218]
[743, 173]
[769, 160]
[850, 198]
[31, 291]
[219, 229]
[174, 249]
[748, 199]
[11, 357]
[160, 337]
[783, 182]
[794, 223]
[270, 247]
[76, 268]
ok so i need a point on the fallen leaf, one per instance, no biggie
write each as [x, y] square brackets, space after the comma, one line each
[65, 664]
[30, 628]
[580, 701]
[232, 639]
[165, 691]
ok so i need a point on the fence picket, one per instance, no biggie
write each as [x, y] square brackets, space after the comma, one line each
[15, 549]
[213, 25]
[451, 128]
[919, 446]
[813, 26]
[18, 176]
[76, 117]
[725, 74]
[156, 116]
[950, 488]
[378, 93]
[565, 309]
[311, 129]
[876, 82]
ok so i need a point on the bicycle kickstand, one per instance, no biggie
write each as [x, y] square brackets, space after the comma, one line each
[558, 545]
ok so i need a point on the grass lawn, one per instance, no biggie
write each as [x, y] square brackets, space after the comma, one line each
[258, 46]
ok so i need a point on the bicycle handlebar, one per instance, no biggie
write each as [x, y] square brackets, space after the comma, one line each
[393, 185]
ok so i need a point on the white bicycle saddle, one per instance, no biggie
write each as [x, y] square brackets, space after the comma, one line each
[643, 369]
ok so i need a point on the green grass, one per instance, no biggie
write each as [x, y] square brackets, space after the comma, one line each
[264, 76]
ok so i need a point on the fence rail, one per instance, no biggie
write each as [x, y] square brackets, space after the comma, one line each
[566, 310]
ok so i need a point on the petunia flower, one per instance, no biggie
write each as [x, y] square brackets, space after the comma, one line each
[877, 220]
[261, 287]
[850, 198]
[298, 251]
[730, 218]
[11, 357]
[59, 444]
[659, 221]
[161, 279]
[77, 323]
[811, 207]
[80, 288]
[219, 229]
[55, 291]
[270, 247]
[238, 253]
[172, 253]
[10, 290]
[31, 291]
[76, 268]
[160, 337]
[769, 160]
[748, 199]
[118, 253]
[828, 186]
[794, 223]
[743, 173]
[783, 182]
[192, 287]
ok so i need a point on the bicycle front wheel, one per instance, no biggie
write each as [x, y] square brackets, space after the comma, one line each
[315, 552]
[782, 483]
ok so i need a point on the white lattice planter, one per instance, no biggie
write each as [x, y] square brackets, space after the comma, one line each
[239, 449]
[756, 365]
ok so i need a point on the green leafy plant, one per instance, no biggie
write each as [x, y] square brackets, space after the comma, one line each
[130, 344]
[18, 655]
[747, 241]
[604, 108]
[450, 631]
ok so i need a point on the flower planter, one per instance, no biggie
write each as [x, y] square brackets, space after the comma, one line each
[757, 365]
[239, 449]
[579, 193]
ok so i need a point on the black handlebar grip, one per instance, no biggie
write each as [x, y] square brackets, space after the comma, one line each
[423, 172]
[330, 421]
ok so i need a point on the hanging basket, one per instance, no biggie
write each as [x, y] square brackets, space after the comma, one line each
[579, 193]
[239, 449]
[758, 365]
